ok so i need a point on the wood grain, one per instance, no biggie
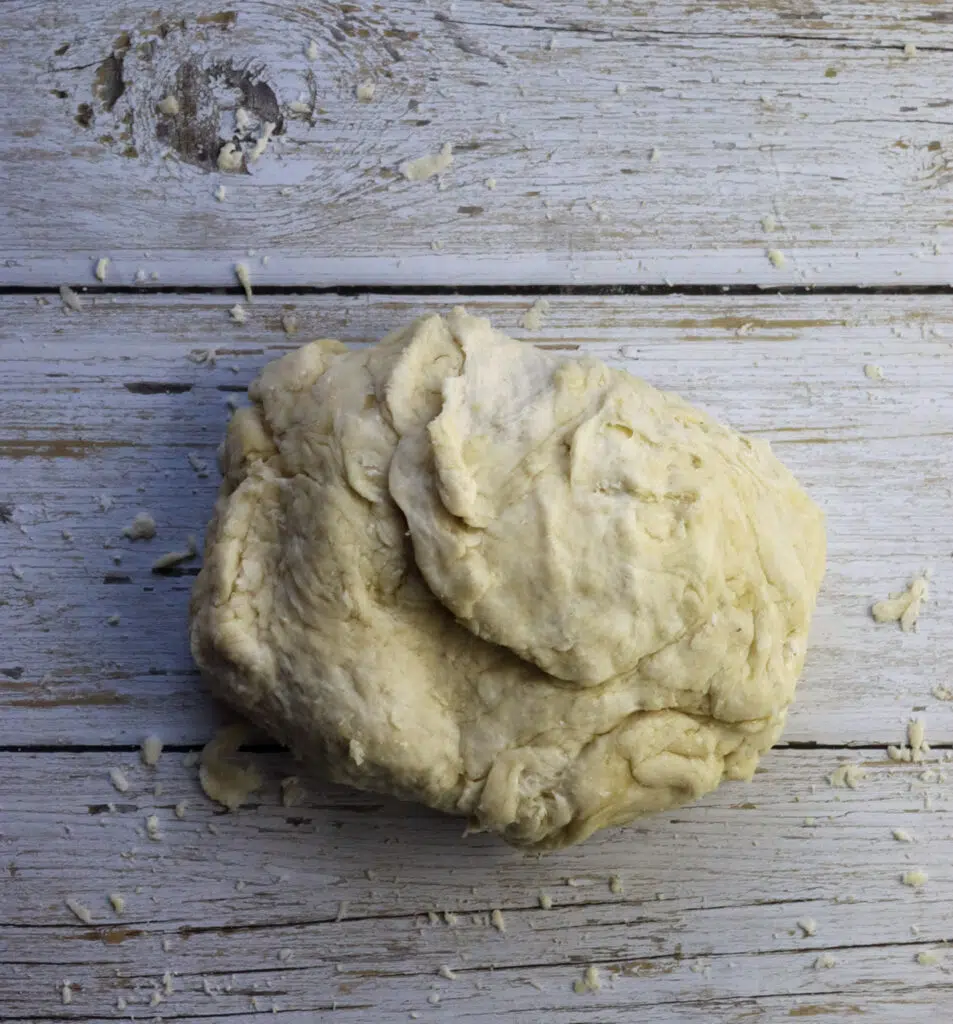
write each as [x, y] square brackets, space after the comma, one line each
[105, 407]
[812, 115]
[344, 883]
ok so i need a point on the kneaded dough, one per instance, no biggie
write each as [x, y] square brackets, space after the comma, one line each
[528, 589]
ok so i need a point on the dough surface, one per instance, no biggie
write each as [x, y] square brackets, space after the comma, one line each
[523, 588]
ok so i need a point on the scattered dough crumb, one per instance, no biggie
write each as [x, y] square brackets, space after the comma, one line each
[244, 278]
[237, 313]
[118, 779]
[900, 753]
[17, 571]
[545, 901]
[824, 961]
[152, 828]
[427, 166]
[82, 913]
[655, 154]
[243, 120]
[498, 921]
[847, 776]
[150, 750]
[70, 299]
[173, 558]
[220, 193]
[203, 356]
[299, 107]
[533, 318]
[118, 902]
[909, 50]
[768, 223]
[180, 808]
[777, 258]
[168, 105]
[927, 958]
[190, 759]
[904, 605]
[807, 925]
[289, 323]
[589, 982]
[916, 878]
[223, 780]
[942, 692]
[229, 157]
[102, 268]
[902, 835]
[143, 527]
[445, 972]
[167, 983]
[873, 371]
[365, 90]
[311, 50]
[284, 955]
[113, 620]
[292, 792]
[615, 885]
[490, 183]
[66, 992]
[916, 737]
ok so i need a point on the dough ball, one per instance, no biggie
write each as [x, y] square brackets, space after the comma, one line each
[524, 588]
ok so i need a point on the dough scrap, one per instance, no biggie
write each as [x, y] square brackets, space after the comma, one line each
[524, 588]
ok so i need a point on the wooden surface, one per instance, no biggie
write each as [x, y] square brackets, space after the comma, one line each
[346, 906]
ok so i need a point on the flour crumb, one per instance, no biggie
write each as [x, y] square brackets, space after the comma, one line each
[81, 912]
[66, 991]
[777, 258]
[445, 972]
[768, 223]
[427, 166]
[902, 835]
[230, 158]
[903, 606]
[102, 268]
[941, 692]
[292, 792]
[244, 278]
[70, 299]
[365, 91]
[143, 527]
[915, 878]
[118, 779]
[118, 902]
[916, 737]
[589, 982]
[150, 750]
[490, 183]
[824, 961]
[927, 958]
[532, 319]
[289, 323]
[615, 885]
[220, 193]
[873, 372]
[311, 50]
[173, 558]
[261, 144]
[180, 808]
[223, 780]
[847, 776]
[450, 918]
[655, 154]
[238, 314]
[545, 901]
[152, 828]
[909, 50]
[498, 921]
[807, 925]
[168, 105]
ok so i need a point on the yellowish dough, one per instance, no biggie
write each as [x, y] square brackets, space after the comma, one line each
[523, 588]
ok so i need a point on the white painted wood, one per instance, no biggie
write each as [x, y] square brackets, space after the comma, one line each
[706, 927]
[876, 455]
[809, 113]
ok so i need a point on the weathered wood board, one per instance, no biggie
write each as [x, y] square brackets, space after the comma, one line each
[648, 141]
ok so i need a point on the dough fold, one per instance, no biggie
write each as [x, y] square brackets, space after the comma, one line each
[523, 588]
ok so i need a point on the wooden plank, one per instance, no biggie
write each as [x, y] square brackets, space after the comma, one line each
[344, 884]
[815, 118]
[104, 407]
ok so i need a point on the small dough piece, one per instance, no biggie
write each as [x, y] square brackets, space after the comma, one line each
[527, 589]
[222, 778]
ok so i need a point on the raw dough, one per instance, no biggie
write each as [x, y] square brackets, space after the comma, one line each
[519, 587]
